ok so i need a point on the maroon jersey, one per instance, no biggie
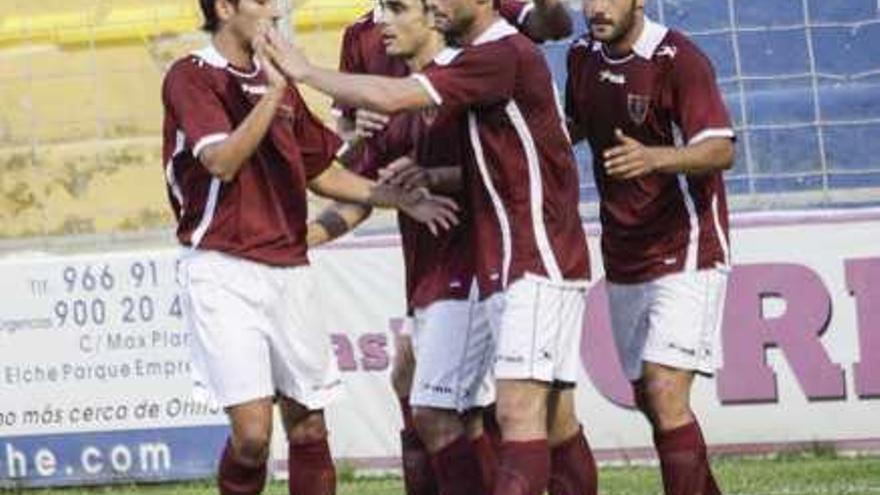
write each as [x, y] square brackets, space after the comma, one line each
[261, 213]
[662, 94]
[437, 266]
[525, 213]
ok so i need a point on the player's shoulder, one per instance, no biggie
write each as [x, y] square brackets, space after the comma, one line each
[365, 22]
[677, 48]
[583, 46]
[203, 63]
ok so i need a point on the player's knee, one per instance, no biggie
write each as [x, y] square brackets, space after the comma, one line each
[473, 423]
[664, 401]
[431, 422]
[561, 428]
[252, 444]
[517, 411]
[309, 428]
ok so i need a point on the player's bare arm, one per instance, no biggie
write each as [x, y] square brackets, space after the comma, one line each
[436, 212]
[631, 159]
[549, 20]
[225, 158]
[385, 95]
[406, 173]
[335, 220]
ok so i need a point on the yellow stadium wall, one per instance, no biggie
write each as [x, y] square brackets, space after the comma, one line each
[80, 125]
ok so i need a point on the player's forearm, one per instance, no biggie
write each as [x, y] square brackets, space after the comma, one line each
[225, 158]
[706, 156]
[386, 95]
[445, 180]
[335, 221]
[549, 20]
[343, 185]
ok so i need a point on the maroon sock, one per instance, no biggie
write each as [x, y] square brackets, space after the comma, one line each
[572, 468]
[683, 461]
[233, 478]
[457, 469]
[310, 469]
[524, 468]
[406, 413]
[488, 460]
[418, 475]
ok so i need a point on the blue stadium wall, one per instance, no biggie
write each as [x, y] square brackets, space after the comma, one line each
[801, 79]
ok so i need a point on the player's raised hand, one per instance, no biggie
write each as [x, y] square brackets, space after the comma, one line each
[630, 158]
[405, 173]
[287, 56]
[368, 123]
[436, 212]
[274, 76]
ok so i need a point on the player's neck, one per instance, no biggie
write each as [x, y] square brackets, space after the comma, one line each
[483, 21]
[625, 44]
[426, 53]
[237, 54]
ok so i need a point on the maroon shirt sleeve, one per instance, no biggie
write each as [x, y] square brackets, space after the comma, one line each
[482, 74]
[193, 101]
[318, 145]
[700, 109]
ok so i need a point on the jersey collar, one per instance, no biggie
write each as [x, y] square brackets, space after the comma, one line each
[651, 37]
[212, 57]
[499, 29]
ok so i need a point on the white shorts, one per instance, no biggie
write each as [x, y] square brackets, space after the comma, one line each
[538, 325]
[257, 331]
[453, 347]
[674, 320]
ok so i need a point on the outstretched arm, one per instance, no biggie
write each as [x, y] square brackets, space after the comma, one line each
[338, 183]
[409, 175]
[377, 93]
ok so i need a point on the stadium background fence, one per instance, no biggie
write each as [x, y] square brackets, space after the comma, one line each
[81, 121]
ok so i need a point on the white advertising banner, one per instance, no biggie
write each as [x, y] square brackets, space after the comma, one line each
[94, 376]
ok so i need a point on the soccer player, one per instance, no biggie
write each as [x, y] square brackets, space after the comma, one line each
[532, 259]
[452, 338]
[646, 99]
[240, 148]
[364, 52]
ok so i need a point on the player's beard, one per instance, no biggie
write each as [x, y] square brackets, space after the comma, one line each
[626, 24]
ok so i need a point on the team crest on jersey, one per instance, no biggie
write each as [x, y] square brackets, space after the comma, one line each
[637, 106]
[429, 115]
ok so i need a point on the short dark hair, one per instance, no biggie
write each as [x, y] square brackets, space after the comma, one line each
[209, 13]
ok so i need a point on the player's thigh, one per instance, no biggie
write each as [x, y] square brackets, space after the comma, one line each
[251, 425]
[628, 307]
[685, 320]
[538, 330]
[453, 348]
[304, 367]
[229, 351]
